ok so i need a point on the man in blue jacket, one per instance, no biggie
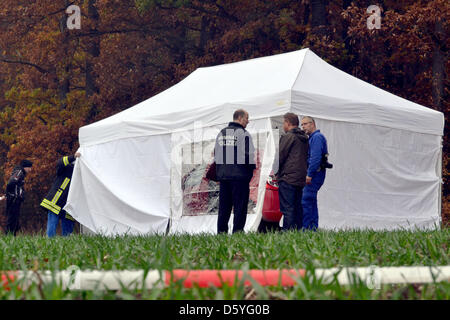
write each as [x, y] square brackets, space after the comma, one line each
[315, 175]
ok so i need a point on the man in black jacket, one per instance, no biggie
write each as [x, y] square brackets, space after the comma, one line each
[293, 164]
[15, 195]
[57, 197]
[234, 157]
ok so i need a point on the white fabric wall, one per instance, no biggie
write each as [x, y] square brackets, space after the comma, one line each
[382, 178]
[123, 186]
[133, 185]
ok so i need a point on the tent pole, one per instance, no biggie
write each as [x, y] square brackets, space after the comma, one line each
[439, 167]
[169, 222]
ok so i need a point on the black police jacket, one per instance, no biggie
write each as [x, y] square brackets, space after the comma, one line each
[234, 153]
[15, 191]
[57, 196]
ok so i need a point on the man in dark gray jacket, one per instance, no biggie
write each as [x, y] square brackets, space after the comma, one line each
[291, 175]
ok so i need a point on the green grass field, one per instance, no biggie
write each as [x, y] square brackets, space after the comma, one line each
[323, 249]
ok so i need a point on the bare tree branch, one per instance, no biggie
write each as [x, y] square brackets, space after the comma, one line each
[12, 60]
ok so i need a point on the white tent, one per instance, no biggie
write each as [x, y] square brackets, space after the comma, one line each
[137, 171]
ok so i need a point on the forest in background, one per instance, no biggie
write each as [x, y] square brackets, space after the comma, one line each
[54, 80]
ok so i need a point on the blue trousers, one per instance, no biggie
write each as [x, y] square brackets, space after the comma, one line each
[309, 202]
[52, 224]
[291, 205]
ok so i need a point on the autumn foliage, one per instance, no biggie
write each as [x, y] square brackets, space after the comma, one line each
[54, 80]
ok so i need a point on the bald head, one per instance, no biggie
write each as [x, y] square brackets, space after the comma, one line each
[241, 116]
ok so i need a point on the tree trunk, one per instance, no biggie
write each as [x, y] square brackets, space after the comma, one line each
[306, 14]
[438, 68]
[345, 25]
[93, 49]
[318, 16]
[64, 84]
[203, 36]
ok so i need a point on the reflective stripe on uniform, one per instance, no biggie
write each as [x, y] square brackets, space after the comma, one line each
[51, 205]
[68, 216]
[66, 160]
[48, 205]
[56, 197]
[54, 205]
[65, 183]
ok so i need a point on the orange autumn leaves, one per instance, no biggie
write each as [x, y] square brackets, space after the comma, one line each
[54, 80]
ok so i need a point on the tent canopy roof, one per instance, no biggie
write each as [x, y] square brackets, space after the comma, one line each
[297, 81]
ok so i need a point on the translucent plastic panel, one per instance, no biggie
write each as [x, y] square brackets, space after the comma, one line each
[201, 195]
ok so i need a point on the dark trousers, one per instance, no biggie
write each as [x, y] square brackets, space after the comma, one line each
[267, 226]
[12, 216]
[291, 205]
[233, 194]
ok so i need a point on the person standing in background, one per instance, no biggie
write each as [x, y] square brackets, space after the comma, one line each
[57, 197]
[292, 163]
[234, 158]
[318, 151]
[15, 195]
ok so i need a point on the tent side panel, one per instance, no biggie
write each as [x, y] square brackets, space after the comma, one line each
[123, 186]
[383, 178]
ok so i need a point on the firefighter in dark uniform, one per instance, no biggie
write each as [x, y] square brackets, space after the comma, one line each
[57, 197]
[234, 157]
[15, 195]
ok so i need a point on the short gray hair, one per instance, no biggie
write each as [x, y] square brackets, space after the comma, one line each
[310, 118]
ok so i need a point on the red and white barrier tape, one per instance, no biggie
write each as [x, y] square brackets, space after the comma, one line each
[115, 280]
